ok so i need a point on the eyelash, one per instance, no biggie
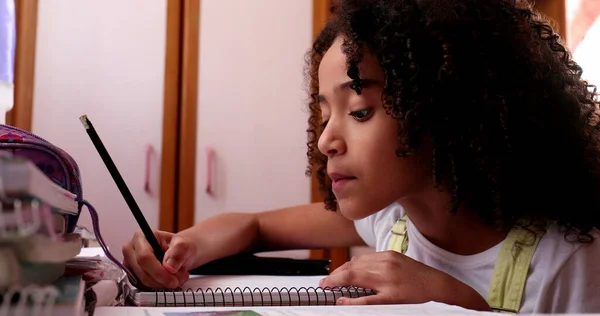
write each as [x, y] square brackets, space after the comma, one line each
[365, 117]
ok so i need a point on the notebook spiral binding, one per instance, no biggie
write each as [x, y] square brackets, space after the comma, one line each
[257, 297]
[32, 300]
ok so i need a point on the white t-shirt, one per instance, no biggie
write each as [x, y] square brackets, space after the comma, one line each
[563, 278]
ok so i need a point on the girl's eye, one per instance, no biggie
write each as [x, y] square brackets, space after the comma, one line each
[361, 115]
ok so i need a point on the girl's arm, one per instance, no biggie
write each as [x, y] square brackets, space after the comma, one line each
[300, 227]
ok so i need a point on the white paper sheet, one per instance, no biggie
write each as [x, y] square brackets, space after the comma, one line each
[251, 281]
[431, 308]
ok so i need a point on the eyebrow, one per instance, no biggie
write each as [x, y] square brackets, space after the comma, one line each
[366, 82]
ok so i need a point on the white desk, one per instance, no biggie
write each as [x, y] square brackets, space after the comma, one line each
[379, 310]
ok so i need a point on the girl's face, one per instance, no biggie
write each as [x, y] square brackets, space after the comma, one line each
[360, 140]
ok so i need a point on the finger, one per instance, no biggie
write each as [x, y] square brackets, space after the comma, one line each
[140, 243]
[146, 279]
[364, 300]
[356, 264]
[130, 261]
[150, 265]
[146, 259]
[164, 238]
[182, 276]
[380, 261]
[325, 281]
[355, 277]
[177, 255]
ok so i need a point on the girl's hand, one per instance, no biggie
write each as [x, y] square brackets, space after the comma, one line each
[398, 279]
[139, 257]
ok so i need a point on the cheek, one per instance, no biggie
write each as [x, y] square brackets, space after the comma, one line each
[397, 172]
[381, 152]
[392, 174]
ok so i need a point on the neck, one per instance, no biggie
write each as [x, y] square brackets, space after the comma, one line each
[463, 233]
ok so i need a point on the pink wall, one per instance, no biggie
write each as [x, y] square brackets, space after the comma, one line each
[105, 59]
[251, 105]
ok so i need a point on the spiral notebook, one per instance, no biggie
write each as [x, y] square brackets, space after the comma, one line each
[247, 291]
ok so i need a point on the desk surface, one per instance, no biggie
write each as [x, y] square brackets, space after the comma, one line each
[379, 310]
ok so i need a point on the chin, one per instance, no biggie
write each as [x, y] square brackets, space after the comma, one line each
[353, 210]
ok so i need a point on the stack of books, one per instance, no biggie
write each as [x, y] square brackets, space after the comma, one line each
[34, 243]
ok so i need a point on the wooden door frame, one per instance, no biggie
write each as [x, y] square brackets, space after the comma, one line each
[26, 28]
[556, 12]
[178, 160]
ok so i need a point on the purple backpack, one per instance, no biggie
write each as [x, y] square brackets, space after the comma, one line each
[60, 167]
[53, 161]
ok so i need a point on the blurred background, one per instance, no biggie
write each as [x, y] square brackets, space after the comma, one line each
[200, 103]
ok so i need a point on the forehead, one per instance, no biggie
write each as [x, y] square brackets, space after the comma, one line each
[333, 67]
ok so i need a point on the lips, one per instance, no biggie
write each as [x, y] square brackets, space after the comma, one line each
[340, 180]
[338, 176]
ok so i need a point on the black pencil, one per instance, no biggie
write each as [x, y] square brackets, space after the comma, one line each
[114, 172]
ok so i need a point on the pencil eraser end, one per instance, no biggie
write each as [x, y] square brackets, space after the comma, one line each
[84, 121]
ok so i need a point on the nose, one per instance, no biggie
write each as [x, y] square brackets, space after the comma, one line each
[331, 142]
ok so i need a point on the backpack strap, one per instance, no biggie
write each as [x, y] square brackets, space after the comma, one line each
[399, 240]
[512, 266]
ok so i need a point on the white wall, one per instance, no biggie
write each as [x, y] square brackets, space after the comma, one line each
[579, 14]
[105, 59]
[586, 54]
[251, 104]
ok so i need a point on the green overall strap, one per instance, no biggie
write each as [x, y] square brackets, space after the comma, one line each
[512, 266]
[399, 240]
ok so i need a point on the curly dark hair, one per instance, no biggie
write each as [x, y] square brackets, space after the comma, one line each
[513, 126]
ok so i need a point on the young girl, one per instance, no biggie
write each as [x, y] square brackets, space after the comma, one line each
[454, 136]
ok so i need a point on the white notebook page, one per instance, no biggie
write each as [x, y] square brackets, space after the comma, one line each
[251, 281]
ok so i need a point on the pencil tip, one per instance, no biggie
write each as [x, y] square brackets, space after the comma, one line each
[84, 121]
